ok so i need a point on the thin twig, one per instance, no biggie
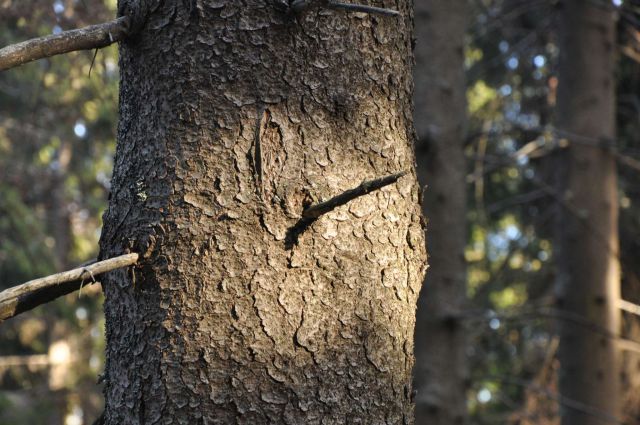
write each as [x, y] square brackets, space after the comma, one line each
[628, 161]
[93, 280]
[317, 210]
[523, 198]
[559, 315]
[559, 398]
[299, 6]
[27, 296]
[93, 60]
[349, 7]
[91, 37]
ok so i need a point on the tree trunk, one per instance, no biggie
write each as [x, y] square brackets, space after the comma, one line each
[59, 216]
[441, 111]
[588, 285]
[234, 116]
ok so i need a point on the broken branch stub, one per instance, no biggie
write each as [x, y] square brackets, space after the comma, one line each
[317, 210]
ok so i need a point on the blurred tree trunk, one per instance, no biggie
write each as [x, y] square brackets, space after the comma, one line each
[588, 281]
[59, 216]
[441, 119]
[233, 117]
[630, 359]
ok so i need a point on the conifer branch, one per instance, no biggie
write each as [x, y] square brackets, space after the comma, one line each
[91, 37]
[27, 296]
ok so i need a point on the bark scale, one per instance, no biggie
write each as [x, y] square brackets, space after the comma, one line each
[588, 281]
[234, 116]
[441, 377]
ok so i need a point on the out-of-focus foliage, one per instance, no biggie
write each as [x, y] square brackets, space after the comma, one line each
[57, 138]
[510, 56]
[511, 60]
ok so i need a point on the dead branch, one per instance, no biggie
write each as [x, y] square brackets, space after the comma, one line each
[29, 361]
[559, 398]
[349, 7]
[299, 6]
[628, 306]
[313, 212]
[631, 53]
[27, 296]
[630, 162]
[317, 210]
[91, 37]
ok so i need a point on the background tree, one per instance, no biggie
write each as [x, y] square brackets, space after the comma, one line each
[627, 129]
[441, 372]
[587, 249]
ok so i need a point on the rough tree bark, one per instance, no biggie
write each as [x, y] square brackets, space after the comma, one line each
[588, 285]
[441, 369]
[234, 116]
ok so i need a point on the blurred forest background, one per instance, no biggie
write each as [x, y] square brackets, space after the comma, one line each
[58, 118]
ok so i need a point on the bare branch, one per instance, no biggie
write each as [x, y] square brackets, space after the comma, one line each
[91, 37]
[317, 210]
[522, 198]
[312, 213]
[629, 307]
[300, 5]
[631, 53]
[30, 361]
[27, 296]
[362, 8]
[545, 312]
[559, 398]
[628, 161]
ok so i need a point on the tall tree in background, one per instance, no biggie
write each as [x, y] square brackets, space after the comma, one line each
[441, 375]
[628, 87]
[588, 281]
[235, 117]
